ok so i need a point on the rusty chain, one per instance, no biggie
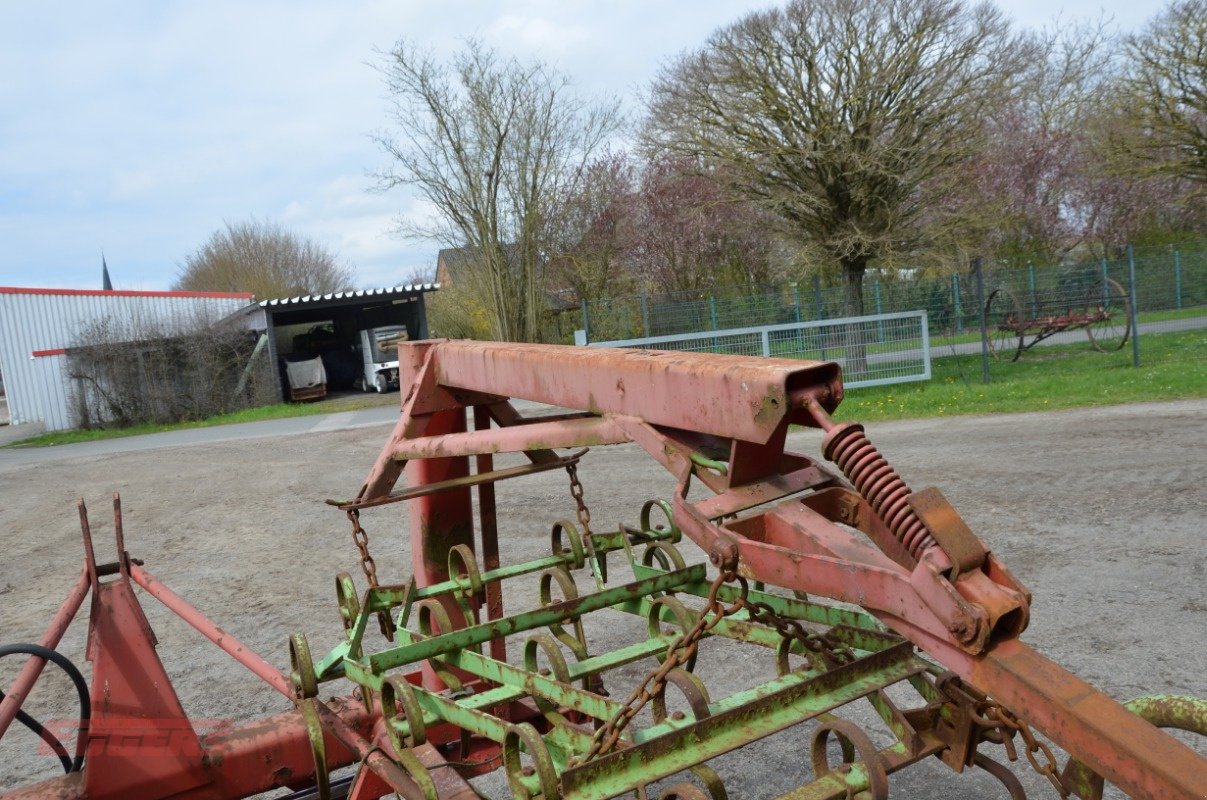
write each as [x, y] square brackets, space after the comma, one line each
[824, 645]
[576, 491]
[678, 653]
[361, 538]
[1009, 723]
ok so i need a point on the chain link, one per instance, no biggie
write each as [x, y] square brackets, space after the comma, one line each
[576, 491]
[1009, 723]
[361, 538]
[678, 654]
[833, 652]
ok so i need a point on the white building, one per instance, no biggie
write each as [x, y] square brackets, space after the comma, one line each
[38, 325]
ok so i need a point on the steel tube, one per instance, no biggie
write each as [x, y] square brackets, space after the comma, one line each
[229, 644]
[28, 676]
[1116, 743]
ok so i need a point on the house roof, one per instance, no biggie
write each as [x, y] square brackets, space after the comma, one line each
[315, 299]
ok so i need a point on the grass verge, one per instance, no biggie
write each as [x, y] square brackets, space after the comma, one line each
[277, 411]
[1063, 376]
[1060, 376]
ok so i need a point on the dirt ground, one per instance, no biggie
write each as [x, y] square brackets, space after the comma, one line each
[1099, 511]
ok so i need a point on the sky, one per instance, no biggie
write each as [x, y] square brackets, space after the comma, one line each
[137, 129]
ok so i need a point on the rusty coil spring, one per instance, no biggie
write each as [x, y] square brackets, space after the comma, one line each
[849, 447]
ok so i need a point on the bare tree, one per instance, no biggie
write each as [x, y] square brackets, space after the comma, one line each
[493, 144]
[844, 118]
[265, 259]
[1166, 92]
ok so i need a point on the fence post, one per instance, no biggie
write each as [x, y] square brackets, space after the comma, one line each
[712, 310]
[819, 310]
[1031, 285]
[1106, 276]
[955, 297]
[645, 316]
[1177, 278]
[879, 311]
[796, 299]
[766, 343]
[1131, 278]
[980, 297]
[586, 323]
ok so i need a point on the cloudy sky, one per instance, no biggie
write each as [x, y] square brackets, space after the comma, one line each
[138, 128]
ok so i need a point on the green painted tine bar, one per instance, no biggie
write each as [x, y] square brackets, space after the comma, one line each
[530, 620]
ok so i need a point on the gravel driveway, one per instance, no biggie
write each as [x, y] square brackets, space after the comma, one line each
[1099, 511]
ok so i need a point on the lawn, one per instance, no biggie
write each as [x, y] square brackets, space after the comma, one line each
[1173, 366]
[349, 403]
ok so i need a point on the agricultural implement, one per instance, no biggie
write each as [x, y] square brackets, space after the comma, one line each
[447, 683]
[1015, 323]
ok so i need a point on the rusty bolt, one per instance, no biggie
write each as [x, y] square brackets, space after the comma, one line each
[677, 715]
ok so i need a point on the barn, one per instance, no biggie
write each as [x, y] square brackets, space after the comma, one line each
[37, 326]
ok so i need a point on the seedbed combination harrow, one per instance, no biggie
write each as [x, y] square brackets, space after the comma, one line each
[447, 684]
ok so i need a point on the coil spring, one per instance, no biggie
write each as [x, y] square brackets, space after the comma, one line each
[848, 447]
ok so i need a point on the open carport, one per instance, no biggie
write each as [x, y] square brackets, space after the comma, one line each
[329, 326]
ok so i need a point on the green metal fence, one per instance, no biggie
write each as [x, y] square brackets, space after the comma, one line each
[1171, 285]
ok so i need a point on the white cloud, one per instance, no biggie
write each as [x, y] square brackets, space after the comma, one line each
[139, 127]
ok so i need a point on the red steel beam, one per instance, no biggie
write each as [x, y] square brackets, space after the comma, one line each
[729, 396]
[28, 675]
[228, 643]
[267, 754]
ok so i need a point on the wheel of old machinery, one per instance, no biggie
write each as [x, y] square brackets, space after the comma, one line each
[1004, 324]
[576, 641]
[683, 617]
[684, 791]
[347, 600]
[433, 619]
[693, 691]
[1109, 311]
[305, 683]
[577, 553]
[318, 747]
[855, 744]
[670, 531]
[541, 780]
[399, 704]
[558, 668]
[666, 554]
[463, 568]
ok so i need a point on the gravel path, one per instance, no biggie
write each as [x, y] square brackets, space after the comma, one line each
[1099, 511]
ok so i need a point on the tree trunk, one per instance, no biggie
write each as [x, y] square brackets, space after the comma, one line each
[854, 344]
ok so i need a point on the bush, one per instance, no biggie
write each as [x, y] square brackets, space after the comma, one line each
[126, 375]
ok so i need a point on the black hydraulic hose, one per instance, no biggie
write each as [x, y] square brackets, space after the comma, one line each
[81, 690]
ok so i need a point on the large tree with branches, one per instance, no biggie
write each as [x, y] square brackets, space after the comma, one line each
[493, 144]
[846, 119]
[1166, 93]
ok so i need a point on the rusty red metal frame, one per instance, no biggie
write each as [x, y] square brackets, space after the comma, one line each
[780, 517]
[722, 420]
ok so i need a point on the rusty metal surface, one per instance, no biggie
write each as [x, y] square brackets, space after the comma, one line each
[723, 395]
[922, 578]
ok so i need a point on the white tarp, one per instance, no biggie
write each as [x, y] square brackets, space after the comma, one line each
[305, 374]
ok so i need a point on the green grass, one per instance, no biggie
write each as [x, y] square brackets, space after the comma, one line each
[277, 411]
[1066, 376]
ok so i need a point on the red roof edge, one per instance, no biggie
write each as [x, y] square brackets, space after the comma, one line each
[124, 293]
[43, 353]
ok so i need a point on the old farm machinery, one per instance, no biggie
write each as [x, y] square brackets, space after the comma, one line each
[925, 630]
[1097, 305]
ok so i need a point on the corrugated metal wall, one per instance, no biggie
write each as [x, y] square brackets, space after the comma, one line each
[39, 320]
